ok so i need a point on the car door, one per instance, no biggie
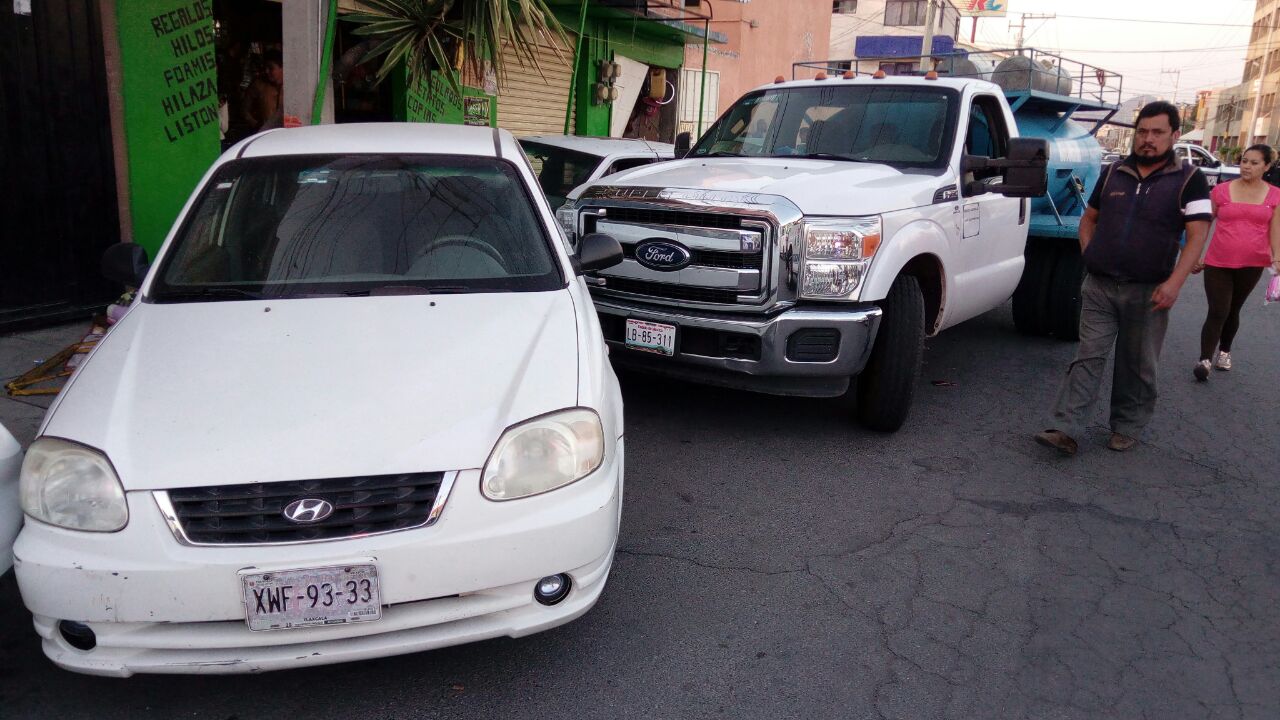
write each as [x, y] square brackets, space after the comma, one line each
[991, 226]
[1208, 165]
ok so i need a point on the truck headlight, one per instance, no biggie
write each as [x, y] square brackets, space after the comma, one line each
[543, 454]
[566, 215]
[837, 253]
[72, 486]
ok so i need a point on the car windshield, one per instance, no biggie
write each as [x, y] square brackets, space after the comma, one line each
[298, 226]
[559, 170]
[903, 126]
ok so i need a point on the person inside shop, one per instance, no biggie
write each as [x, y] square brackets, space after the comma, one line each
[264, 100]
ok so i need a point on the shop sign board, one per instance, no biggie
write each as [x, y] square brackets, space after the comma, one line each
[169, 86]
[982, 8]
[434, 100]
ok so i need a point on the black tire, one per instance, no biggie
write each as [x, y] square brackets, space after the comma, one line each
[886, 385]
[1064, 294]
[1030, 299]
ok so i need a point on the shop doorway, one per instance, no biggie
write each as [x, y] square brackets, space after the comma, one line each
[655, 114]
[357, 96]
[249, 41]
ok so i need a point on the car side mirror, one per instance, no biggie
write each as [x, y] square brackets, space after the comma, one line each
[1025, 166]
[684, 142]
[125, 263]
[597, 251]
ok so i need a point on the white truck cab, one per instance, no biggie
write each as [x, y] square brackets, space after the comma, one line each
[1215, 171]
[816, 233]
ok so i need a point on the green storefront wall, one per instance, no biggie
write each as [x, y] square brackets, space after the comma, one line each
[170, 98]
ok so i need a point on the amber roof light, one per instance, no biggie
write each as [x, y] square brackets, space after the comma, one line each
[878, 76]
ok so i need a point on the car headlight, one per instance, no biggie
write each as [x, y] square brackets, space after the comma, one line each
[837, 253]
[566, 215]
[543, 454]
[72, 486]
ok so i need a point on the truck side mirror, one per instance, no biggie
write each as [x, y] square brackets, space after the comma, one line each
[125, 263]
[684, 141]
[1025, 168]
[597, 251]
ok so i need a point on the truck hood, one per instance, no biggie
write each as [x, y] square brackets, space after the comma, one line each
[195, 394]
[817, 187]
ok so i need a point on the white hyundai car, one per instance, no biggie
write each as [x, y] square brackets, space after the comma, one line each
[10, 511]
[361, 408]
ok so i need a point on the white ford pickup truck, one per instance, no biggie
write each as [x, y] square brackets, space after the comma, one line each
[815, 235]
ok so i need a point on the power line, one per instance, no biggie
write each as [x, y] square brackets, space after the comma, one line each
[1145, 21]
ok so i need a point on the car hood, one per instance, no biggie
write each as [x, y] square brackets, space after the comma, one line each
[817, 187]
[186, 395]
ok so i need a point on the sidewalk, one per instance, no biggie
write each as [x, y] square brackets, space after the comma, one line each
[19, 352]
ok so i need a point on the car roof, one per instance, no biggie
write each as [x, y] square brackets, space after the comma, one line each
[837, 80]
[382, 138]
[602, 147]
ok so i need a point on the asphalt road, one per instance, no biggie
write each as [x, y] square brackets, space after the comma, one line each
[778, 562]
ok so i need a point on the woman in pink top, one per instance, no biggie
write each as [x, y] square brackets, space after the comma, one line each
[1246, 240]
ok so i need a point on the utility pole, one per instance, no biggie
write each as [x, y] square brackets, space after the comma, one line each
[926, 46]
[1022, 23]
[1177, 78]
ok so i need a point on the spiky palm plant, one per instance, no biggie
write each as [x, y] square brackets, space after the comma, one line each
[454, 35]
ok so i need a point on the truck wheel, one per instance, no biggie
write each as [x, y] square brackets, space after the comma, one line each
[1064, 294]
[887, 383]
[1029, 299]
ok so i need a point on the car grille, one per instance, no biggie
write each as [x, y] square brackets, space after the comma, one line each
[253, 513]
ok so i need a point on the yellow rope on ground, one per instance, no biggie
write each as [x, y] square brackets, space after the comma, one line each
[51, 369]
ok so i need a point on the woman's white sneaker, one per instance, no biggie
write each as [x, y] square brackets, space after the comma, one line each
[1224, 361]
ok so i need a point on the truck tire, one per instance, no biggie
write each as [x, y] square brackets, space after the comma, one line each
[888, 382]
[1030, 313]
[1064, 294]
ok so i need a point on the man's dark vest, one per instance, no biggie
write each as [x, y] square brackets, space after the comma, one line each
[1140, 223]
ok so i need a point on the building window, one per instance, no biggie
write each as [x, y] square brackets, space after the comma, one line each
[844, 7]
[690, 82]
[904, 12]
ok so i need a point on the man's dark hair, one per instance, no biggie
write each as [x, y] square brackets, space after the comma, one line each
[272, 56]
[1261, 149]
[1160, 107]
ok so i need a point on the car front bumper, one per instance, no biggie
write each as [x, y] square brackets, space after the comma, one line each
[158, 606]
[770, 371]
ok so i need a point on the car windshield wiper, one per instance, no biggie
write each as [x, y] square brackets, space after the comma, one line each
[384, 290]
[824, 156]
[207, 294]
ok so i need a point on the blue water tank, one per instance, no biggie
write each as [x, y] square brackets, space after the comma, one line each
[1073, 153]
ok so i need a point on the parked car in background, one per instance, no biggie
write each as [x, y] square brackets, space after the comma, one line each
[563, 162]
[1215, 171]
[10, 509]
[1108, 158]
[362, 407]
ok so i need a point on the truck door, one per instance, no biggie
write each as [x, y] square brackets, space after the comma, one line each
[992, 226]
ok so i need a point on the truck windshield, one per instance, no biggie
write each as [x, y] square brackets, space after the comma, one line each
[296, 226]
[903, 126]
[559, 170]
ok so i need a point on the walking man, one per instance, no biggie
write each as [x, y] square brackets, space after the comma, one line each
[1129, 236]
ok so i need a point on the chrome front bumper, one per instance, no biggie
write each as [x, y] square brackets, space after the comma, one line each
[773, 372]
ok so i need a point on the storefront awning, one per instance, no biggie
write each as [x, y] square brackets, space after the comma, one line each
[659, 19]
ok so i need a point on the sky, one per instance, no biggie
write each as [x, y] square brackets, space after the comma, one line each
[1205, 41]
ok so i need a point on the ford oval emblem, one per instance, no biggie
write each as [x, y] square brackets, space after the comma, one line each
[307, 510]
[662, 255]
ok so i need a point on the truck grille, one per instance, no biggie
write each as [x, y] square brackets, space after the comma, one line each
[253, 513]
[675, 217]
[729, 256]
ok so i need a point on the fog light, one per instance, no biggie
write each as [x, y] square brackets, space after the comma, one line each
[78, 635]
[552, 589]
